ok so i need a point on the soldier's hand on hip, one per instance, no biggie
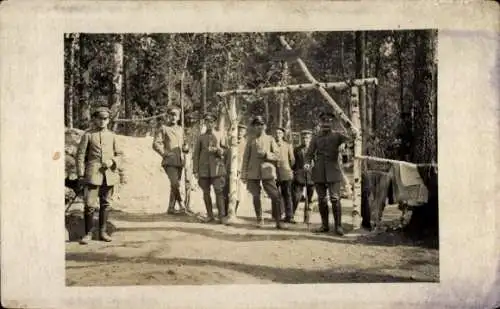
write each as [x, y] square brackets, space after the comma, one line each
[108, 163]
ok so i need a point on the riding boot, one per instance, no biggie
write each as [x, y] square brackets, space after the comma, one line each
[221, 207]
[337, 216]
[323, 211]
[88, 218]
[208, 206]
[171, 203]
[103, 219]
[257, 205]
[277, 213]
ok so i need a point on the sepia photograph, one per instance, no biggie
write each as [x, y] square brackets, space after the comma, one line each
[251, 157]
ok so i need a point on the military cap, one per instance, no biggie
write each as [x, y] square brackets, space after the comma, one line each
[281, 129]
[101, 111]
[209, 117]
[258, 120]
[173, 110]
[306, 132]
[326, 116]
[242, 126]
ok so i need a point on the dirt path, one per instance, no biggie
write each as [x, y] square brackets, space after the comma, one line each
[151, 248]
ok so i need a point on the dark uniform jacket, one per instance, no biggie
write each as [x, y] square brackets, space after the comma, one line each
[255, 166]
[208, 155]
[324, 150]
[168, 143]
[96, 147]
[299, 171]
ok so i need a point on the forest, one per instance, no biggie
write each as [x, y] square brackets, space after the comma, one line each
[139, 75]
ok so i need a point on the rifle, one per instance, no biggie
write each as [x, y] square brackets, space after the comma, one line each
[307, 209]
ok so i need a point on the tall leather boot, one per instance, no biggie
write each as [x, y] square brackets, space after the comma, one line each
[221, 207]
[88, 218]
[103, 219]
[337, 216]
[323, 211]
[278, 206]
[257, 206]
[207, 199]
[171, 203]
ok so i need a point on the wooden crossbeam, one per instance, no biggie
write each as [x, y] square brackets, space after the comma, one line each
[299, 87]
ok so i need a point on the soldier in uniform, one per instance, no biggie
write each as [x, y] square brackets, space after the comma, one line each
[98, 158]
[326, 174]
[284, 165]
[169, 144]
[258, 167]
[209, 166]
[302, 177]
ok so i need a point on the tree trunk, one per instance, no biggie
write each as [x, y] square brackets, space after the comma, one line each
[424, 220]
[204, 78]
[358, 148]
[84, 102]
[73, 77]
[170, 77]
[116, 101]
[406, 130]
[360, 73]
[286, 120]
[376, 90]
[233, 176]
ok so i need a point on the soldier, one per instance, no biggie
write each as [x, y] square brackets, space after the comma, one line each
[209, 167]
[302, 177]
[258, 166]
[169, 144]
[285, 174]
[98, 159]
[326, 174]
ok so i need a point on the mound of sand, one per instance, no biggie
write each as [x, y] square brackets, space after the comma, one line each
[146, 186]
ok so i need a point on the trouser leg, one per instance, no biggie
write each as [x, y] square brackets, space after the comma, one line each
[253, 186]
[334, 192]
[286, 192]
[219, 184]
[323, 207]
[91, 200]
[272, 191]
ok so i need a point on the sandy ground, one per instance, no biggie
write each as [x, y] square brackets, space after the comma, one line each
[152, 248]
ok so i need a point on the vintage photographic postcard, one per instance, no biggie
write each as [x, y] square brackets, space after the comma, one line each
[249, 154]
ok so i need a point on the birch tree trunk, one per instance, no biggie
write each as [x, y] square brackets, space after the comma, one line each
[358, 148]
[116, 99]
[286, 117]
[233, 176]
[75, 38]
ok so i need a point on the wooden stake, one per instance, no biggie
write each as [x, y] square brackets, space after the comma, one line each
[358, 147]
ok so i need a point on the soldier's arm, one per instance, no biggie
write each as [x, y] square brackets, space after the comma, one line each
[246, 158]
[158, 142]
[118, 153]
[311, 150]
[81, 154]
[291, 156]
[273, 154]
[196, 155]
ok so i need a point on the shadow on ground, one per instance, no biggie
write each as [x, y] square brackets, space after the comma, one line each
[248, 230]
[275, 274]
[75, 226]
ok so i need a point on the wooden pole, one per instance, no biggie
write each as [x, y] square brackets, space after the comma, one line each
[233, 176]
[358, 148]
[338, 86]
